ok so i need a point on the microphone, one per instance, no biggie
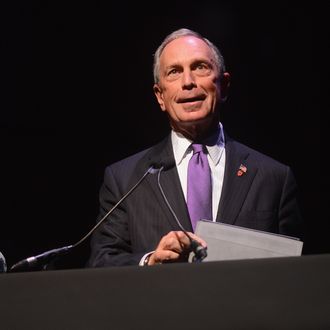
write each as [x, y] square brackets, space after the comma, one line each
[199, 251]
[3, 265]
[45, 258]
[41, 259]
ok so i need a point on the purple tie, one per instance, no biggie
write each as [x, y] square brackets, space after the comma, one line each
[199, 190]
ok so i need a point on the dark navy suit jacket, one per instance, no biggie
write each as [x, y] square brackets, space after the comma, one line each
[263, 198]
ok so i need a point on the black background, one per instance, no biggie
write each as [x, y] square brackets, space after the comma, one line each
[76, 95]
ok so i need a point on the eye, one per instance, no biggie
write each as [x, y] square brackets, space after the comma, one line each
[172, 72]
[201, 66]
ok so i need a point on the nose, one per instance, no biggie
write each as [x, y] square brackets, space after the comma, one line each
[188, 80]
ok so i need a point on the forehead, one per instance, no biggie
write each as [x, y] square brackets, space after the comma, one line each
[185, 49]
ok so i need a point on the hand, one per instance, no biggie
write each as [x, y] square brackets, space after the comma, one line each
[175, 246]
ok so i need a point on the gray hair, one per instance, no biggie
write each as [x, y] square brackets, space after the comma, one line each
[219, 61]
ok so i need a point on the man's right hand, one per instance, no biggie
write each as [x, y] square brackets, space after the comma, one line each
[175, 246]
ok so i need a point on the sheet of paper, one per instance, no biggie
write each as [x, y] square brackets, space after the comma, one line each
[228, 242]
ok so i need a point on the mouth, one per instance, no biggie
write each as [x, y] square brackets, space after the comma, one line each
[192, 99]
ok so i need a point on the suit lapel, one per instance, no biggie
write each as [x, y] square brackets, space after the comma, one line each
[173, 191]
[236, 185]
[234, 191]
[170, 183]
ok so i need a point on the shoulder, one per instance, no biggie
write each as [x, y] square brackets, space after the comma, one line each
[128, 163]
[259, 156]
[141, 160]
[263, 161]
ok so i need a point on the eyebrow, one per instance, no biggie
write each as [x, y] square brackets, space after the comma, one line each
[195, 61]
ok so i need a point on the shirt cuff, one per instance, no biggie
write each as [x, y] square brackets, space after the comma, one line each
[144, 258]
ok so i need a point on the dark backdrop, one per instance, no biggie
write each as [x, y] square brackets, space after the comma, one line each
[76, 95]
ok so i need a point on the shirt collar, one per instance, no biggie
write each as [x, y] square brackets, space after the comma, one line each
[181, 146]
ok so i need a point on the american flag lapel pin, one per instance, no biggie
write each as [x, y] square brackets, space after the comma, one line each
[241, 170]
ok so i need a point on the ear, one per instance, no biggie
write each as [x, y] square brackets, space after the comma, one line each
[159, 95]
[224, 86]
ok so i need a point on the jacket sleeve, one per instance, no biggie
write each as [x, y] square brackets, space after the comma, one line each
[290, 219]
[110, 243]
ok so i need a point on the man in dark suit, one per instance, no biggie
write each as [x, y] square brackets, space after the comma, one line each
[248, 188]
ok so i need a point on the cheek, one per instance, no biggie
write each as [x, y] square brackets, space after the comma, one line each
[216, 93]
[162, 100]
[169, 99]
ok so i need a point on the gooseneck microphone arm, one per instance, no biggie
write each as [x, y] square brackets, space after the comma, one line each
[46, 257]
[199, 251]
[150, 169]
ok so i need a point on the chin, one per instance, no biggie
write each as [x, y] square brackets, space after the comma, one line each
[198, 117]
[196, 122]
[195, 115]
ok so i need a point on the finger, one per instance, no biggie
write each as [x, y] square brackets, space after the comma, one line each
[198, 239]
[173, 243]
[162, 256]
[182, 237]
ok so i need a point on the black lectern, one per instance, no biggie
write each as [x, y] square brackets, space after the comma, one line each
[275, 293]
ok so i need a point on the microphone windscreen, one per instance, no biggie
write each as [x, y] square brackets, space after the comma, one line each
[165, 163]
[168, 163]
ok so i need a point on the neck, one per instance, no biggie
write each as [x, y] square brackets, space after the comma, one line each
[197, 132]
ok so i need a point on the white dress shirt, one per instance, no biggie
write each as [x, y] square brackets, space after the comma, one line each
[216, 157]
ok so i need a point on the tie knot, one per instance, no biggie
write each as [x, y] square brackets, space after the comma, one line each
[197, 147]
